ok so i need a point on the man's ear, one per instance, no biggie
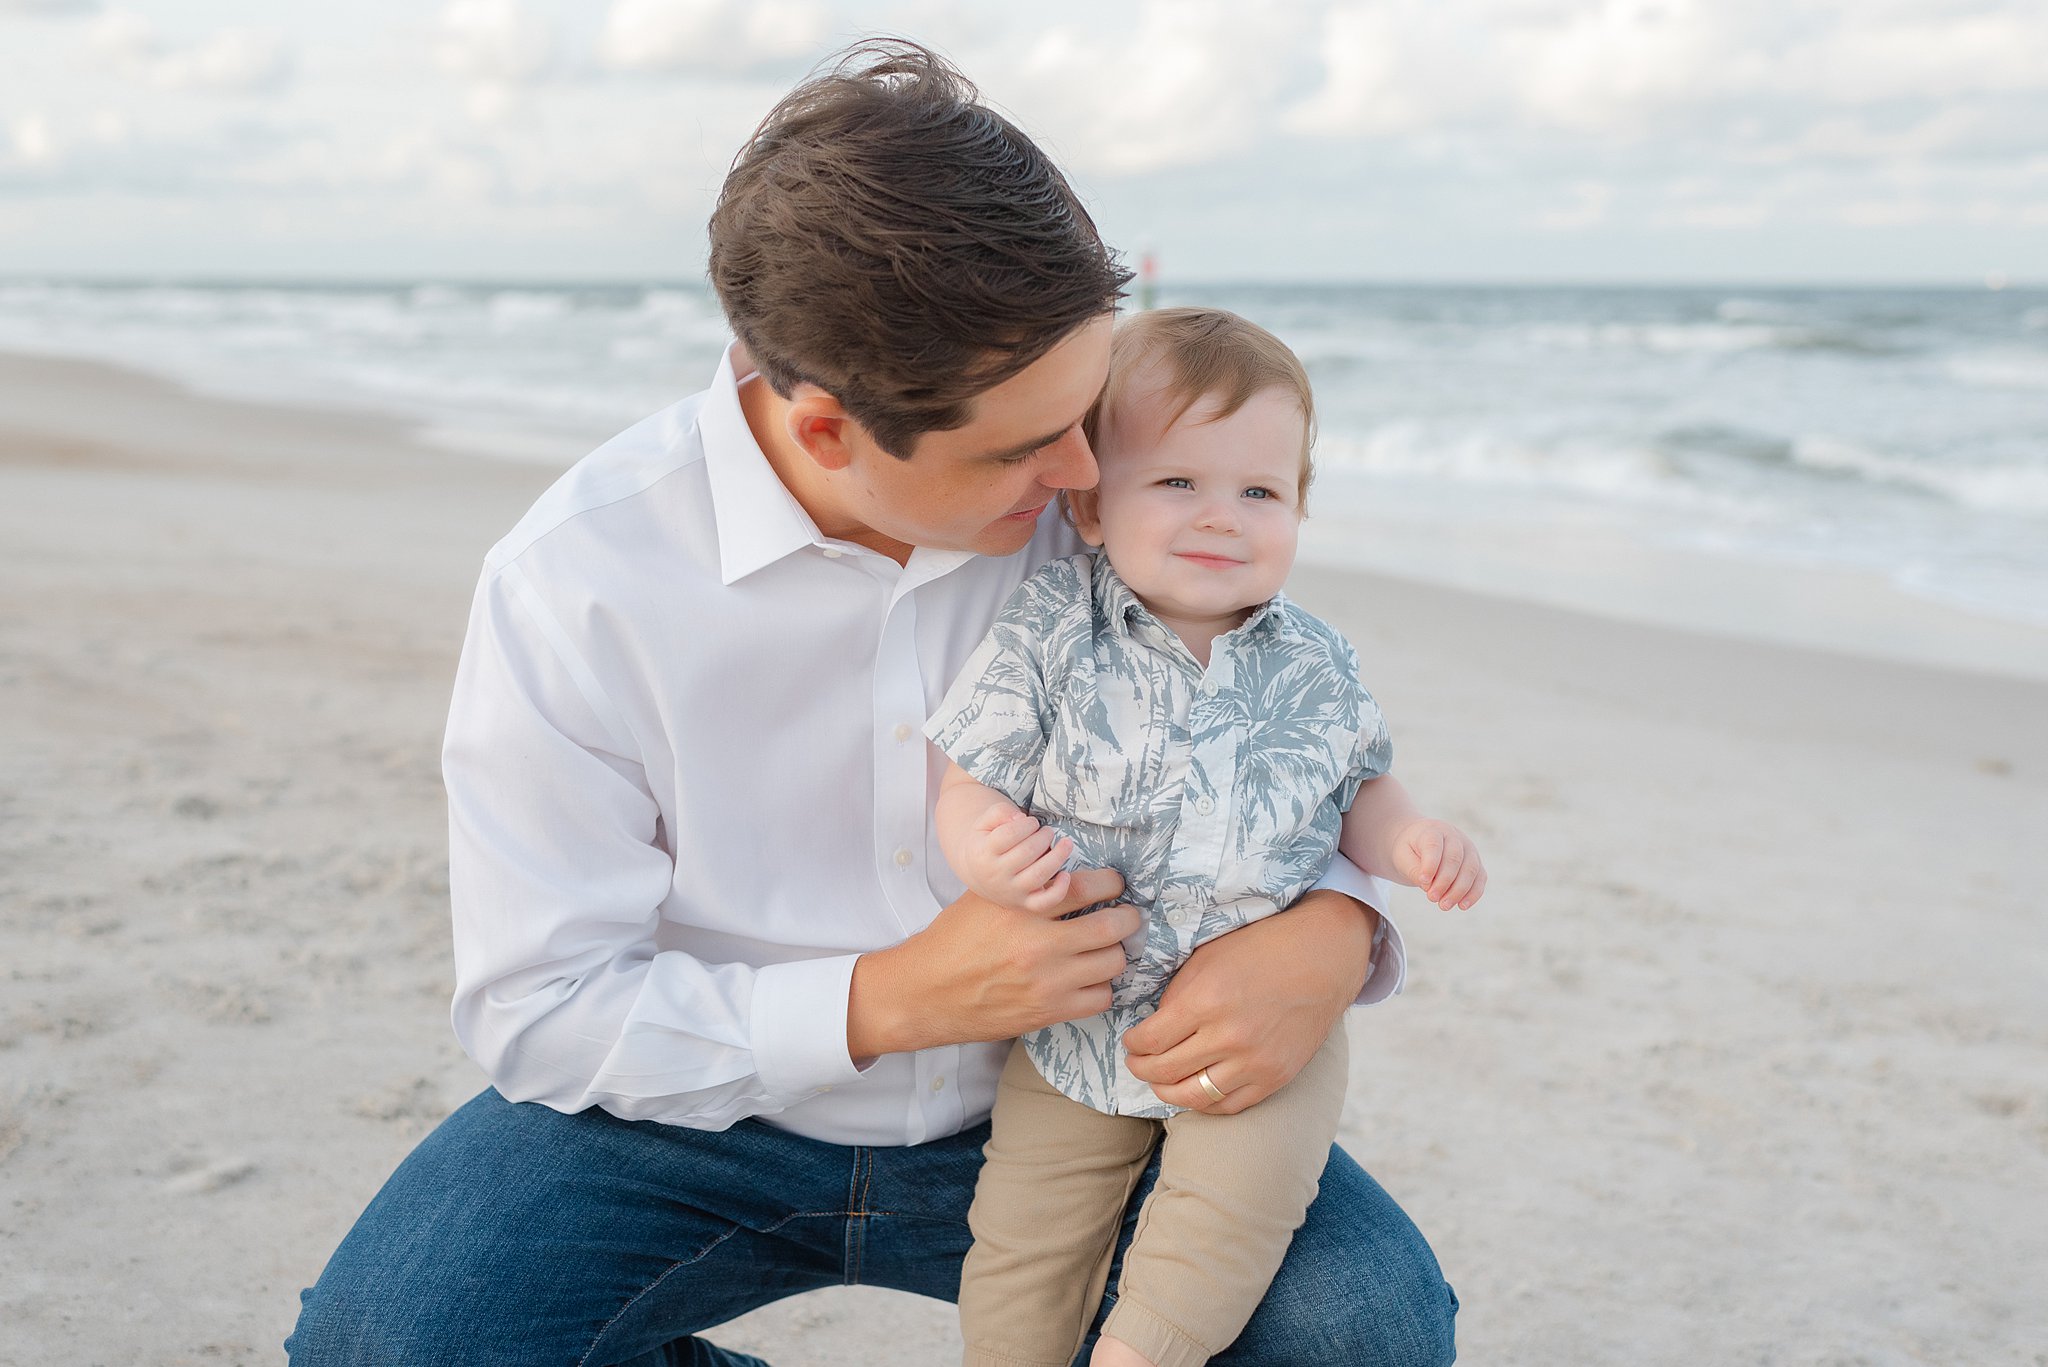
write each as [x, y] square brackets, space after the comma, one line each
[1083, 512]
[821, 427]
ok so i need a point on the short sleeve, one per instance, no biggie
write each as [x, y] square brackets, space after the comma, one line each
[995, 718]
[1372, 751]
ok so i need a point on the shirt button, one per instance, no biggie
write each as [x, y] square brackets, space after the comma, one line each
[938, 1084]
[903, 859]
[1205, 804]
[1178, 916]
[833, 552]
[1208, 689]
[902, 731]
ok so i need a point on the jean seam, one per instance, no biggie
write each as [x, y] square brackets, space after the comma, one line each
[860, 1213]
[691, 1261]
[642, 1294]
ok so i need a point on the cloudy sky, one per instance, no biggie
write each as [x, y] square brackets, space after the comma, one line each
[1762, 140]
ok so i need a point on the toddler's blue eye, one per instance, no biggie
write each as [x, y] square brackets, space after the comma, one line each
[1178, 482]
[1258, 491]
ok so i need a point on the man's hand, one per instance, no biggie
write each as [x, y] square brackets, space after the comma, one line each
[981, 971]
[1253, 1006]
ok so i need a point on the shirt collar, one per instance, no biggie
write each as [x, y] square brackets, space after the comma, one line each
[759, 521]
[1124, 613]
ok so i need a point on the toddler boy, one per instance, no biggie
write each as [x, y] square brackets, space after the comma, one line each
[1160, 708]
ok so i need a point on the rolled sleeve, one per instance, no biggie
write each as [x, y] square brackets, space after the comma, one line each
[798, 1025]
[1388, 971]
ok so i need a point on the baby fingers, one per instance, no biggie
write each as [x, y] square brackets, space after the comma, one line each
[1470, 886]
[1049, 896]
[1039, 872]
[1446, 875]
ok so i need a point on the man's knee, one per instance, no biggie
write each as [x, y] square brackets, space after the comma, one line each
[342, 1326]
[1415, 1330]
[1359, 1287]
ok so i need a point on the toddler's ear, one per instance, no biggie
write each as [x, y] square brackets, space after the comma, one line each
[1081, 510]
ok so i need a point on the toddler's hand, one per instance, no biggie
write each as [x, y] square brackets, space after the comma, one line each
[1441, 860]
[1014, 861]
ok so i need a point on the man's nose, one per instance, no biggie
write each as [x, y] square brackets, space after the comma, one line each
[1070, 462]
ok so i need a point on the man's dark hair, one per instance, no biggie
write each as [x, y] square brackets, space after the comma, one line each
[885, 236]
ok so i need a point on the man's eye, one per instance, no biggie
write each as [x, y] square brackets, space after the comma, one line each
[1017, 459]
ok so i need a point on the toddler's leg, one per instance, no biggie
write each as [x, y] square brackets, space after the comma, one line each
[1046, 1211]
[1232, 1190]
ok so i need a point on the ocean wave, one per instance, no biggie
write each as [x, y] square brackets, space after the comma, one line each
[1661, 338]
[1567, 405]
[1719, 338]
[2000, 369]
[1992, 488]
[1744, 310]
[1664, 471]
[517, 308]
[1613, 471]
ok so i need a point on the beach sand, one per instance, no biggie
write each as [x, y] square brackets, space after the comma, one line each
[1744, 1059]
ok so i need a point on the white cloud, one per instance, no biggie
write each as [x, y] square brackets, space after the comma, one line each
[1189, 81]
[231, 61]
[496, 42]
[34, 145]
[1579, 126]
[712, 35]
[1624, 70]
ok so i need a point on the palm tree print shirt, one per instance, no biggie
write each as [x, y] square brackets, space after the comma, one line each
[1216, 793]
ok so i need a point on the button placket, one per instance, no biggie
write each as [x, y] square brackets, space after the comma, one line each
[900, 772]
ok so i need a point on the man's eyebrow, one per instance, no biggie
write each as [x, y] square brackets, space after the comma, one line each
[1025, 448]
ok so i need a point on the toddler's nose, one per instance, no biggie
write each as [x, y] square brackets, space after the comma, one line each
[1218, 515]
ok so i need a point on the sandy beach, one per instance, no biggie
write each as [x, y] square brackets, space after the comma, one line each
[1743, 1060]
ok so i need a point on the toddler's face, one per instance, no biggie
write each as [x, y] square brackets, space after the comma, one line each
[1202, 518]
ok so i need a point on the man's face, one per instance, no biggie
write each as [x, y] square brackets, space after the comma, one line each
[982, 487]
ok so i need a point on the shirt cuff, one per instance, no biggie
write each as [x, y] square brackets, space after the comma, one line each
[798, 1024]
[1388, 972]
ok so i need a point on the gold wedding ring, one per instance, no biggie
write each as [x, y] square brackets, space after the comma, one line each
[1215, 1093]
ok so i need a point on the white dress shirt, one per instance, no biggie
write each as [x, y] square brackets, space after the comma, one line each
[688, 787]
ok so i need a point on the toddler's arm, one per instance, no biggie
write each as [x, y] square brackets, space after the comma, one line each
[1384, 835]
[998, 849]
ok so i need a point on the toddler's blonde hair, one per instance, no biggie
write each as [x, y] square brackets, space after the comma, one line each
[1207, 353]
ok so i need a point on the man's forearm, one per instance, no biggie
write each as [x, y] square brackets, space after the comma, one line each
[981, 971]
[1346, 926]
[881, 1015]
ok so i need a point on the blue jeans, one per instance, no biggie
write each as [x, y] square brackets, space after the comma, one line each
[515, 1234]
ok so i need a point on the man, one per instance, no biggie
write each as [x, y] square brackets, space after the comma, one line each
[740, 1048]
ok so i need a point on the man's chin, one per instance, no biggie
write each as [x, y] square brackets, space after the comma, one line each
[1006, 537]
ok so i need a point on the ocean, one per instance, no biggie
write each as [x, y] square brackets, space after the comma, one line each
[1895, 435]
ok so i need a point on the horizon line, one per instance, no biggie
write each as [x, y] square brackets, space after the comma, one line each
[1990, 284]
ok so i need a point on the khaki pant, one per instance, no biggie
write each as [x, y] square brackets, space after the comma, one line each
[1231, 1192]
